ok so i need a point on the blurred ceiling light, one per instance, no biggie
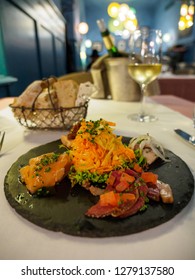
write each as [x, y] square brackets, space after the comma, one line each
[191, 10]
[151, 44]
[116, 22]
[88, 43]
[115, 25]
[182, 23]
[124, 8]
[123, 18]
[132, 10]
[186, 15]
[167, 37]
[83, 28]
[184, 10]
[113, 9]
[130, 24]
[189, 22]
[132, 16]
[159, 39]
[83, 55]
[125, 34]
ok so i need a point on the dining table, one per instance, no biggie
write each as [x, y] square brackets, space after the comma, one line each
[174, 239]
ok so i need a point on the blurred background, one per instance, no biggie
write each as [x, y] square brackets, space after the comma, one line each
[41, 38]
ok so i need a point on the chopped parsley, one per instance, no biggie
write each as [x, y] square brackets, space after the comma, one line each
[81, 177]
[94, 128]
[44, 162]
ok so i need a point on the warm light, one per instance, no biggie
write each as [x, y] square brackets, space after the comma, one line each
[186, 16]
[151, 44]
[113, 9]
[131, 24]
[114, 25]
[166, 37]
[184, 10]
[88, 43]
[83, 55]
[131, 14]
[125, 34]
[182, 24]
[189, 22]
[191, 10]
[83, 28]
[159, 38]
[122, 18]
[116, 22]
[124, 8]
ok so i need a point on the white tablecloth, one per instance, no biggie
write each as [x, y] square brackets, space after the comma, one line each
[175, 239]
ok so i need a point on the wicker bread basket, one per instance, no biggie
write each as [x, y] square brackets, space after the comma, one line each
[53, 117]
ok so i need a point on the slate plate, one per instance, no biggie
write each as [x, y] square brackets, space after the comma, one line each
[65, 210]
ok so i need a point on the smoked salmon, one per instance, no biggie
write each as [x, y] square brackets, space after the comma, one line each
[45, 171]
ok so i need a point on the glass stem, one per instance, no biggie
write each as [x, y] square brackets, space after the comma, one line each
[142, 109]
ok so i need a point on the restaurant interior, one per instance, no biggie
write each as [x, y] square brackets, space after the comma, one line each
[67, 126]
[40, 39]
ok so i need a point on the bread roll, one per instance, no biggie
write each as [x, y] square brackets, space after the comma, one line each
[46, 101]
[28, 97]
[66, 91]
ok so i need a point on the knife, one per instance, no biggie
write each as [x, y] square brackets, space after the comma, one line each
[187, 137]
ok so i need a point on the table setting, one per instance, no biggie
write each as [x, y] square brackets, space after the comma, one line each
[21, 238]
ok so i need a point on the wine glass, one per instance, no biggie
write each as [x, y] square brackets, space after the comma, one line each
[144, 64]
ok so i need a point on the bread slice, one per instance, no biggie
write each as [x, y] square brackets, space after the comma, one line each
[66, 91]
[47, 99]
[29, 95]
[27, 98]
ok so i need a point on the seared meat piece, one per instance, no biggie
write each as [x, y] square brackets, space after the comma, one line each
[122, 210]
[72, 134]
[134, 208]
[67, 139]
[123, 207]
[153, 194]
[127, 193]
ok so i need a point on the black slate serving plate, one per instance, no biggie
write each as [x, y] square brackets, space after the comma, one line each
[65, 211]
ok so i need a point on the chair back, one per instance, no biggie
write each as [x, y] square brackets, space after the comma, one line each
[79, 77]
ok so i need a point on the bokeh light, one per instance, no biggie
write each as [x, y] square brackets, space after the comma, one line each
[122, 18]
[83, 28]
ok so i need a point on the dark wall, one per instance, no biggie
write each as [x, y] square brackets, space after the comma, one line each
[34, 41]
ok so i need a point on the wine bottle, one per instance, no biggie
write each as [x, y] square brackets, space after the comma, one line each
[107, 39]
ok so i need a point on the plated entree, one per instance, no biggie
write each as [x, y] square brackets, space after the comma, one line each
[98, 160]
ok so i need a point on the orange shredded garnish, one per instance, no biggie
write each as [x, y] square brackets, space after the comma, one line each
[97, 149]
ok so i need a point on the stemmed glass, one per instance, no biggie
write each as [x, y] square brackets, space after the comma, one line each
[144, 64]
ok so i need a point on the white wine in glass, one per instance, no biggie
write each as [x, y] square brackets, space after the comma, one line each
[144, 64]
